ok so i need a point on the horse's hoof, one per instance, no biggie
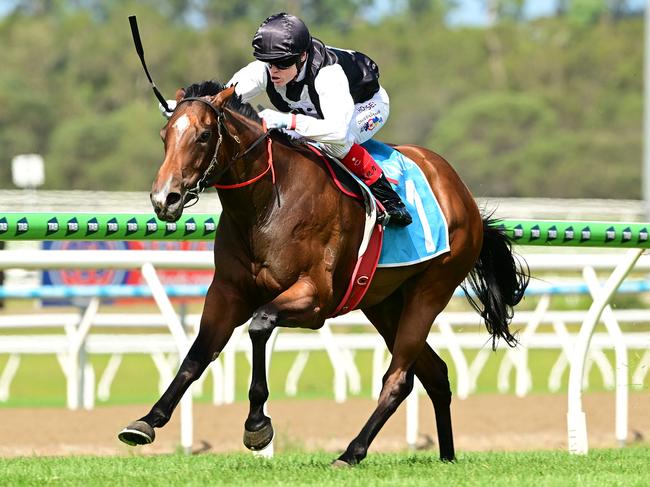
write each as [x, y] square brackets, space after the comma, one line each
[137, 433]
[258, 440]
[338, 463]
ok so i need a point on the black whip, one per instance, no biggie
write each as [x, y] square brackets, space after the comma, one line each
[138, 47]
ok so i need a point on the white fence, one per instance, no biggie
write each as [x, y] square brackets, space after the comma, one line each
[76, 341]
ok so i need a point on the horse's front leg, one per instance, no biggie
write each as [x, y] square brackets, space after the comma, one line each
[222, 312]
[296, 305]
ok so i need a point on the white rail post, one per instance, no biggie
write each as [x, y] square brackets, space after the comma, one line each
[105, 381]
[76, 367]
[8, 375]
[576, 419]
[620, 351]
[523, 381]
[182, 343]
[457, 356]
[342, 363]
[297, 367]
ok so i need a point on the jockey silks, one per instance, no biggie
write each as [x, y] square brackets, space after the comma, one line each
[361, 72]
[327, 89]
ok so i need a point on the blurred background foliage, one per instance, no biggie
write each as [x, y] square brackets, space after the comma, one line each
[544, 107]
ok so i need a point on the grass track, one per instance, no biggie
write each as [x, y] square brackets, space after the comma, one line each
[627, 467]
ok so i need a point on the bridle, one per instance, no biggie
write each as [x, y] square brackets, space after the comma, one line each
[208, 178]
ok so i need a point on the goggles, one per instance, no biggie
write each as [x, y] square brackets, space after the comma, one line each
[283, 64]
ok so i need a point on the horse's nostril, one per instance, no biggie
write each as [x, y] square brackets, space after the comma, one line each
[172, 199]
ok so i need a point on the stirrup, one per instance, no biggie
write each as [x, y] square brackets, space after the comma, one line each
[397, 215]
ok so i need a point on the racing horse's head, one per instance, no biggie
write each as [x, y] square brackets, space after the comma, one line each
[192, 137]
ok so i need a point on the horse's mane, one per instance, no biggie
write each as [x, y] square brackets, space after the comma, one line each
[211, 88]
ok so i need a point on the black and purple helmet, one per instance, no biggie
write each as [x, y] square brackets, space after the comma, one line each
[281, 38]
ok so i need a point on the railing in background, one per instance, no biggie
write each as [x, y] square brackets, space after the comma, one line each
[633, 236]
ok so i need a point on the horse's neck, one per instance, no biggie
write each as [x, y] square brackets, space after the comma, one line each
[247, 204]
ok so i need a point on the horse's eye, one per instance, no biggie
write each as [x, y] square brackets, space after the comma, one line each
[204, 137]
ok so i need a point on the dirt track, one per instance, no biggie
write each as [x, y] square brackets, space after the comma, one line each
[486, 422]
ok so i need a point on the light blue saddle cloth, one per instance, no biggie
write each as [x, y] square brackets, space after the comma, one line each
[428, 235]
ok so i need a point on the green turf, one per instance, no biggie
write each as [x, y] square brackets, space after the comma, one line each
[628, 467]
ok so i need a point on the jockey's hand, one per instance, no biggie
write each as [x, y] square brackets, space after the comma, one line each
[171, 104]
[277, 120]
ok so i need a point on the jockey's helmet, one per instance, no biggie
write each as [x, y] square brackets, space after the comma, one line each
[281, 38]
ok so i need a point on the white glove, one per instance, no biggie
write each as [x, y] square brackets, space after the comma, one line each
[277, 120]
[171, 104]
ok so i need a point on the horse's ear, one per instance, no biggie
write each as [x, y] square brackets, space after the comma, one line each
[223, 96]
[180, 94]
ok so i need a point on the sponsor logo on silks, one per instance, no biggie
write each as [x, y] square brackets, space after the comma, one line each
[209, 227]
[170, 227]
[52, 226]
[72, 226]
[152, 227]
[4, 226]
[112, 226]
[190, 227]
[131, 226]
[22, 226]
[366, 106]
[92, 226]
[372, 123]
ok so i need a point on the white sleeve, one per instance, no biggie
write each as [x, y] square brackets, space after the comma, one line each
[251, 80]
[337, 107]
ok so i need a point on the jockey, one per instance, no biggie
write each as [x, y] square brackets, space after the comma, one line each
[328, 95]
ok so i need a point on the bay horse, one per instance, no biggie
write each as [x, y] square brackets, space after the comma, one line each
[285, 247]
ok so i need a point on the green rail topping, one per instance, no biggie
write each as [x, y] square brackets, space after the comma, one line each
[104, 226]
[201, 226]
[577, 233]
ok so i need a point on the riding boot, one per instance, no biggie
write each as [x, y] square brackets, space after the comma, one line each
[361, 163]
[398, 215]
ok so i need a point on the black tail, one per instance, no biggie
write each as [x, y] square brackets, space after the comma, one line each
[498, 280]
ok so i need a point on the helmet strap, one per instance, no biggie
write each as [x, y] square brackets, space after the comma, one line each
[300, 64]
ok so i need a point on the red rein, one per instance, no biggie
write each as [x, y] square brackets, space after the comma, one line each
[256, 178]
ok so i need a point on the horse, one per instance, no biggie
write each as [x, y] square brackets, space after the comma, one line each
[285, 247]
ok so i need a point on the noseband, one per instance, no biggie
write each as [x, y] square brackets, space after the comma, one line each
[209, 179]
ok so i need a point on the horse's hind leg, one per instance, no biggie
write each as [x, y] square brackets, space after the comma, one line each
[221, 314]
[423, 301]
[432, 372]
[430, 369]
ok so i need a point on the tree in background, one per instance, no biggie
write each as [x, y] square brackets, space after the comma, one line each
[548, 107]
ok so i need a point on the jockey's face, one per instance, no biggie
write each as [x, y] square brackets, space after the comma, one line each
[281, 75]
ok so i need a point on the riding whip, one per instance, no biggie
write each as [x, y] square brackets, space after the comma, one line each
[139, 49]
